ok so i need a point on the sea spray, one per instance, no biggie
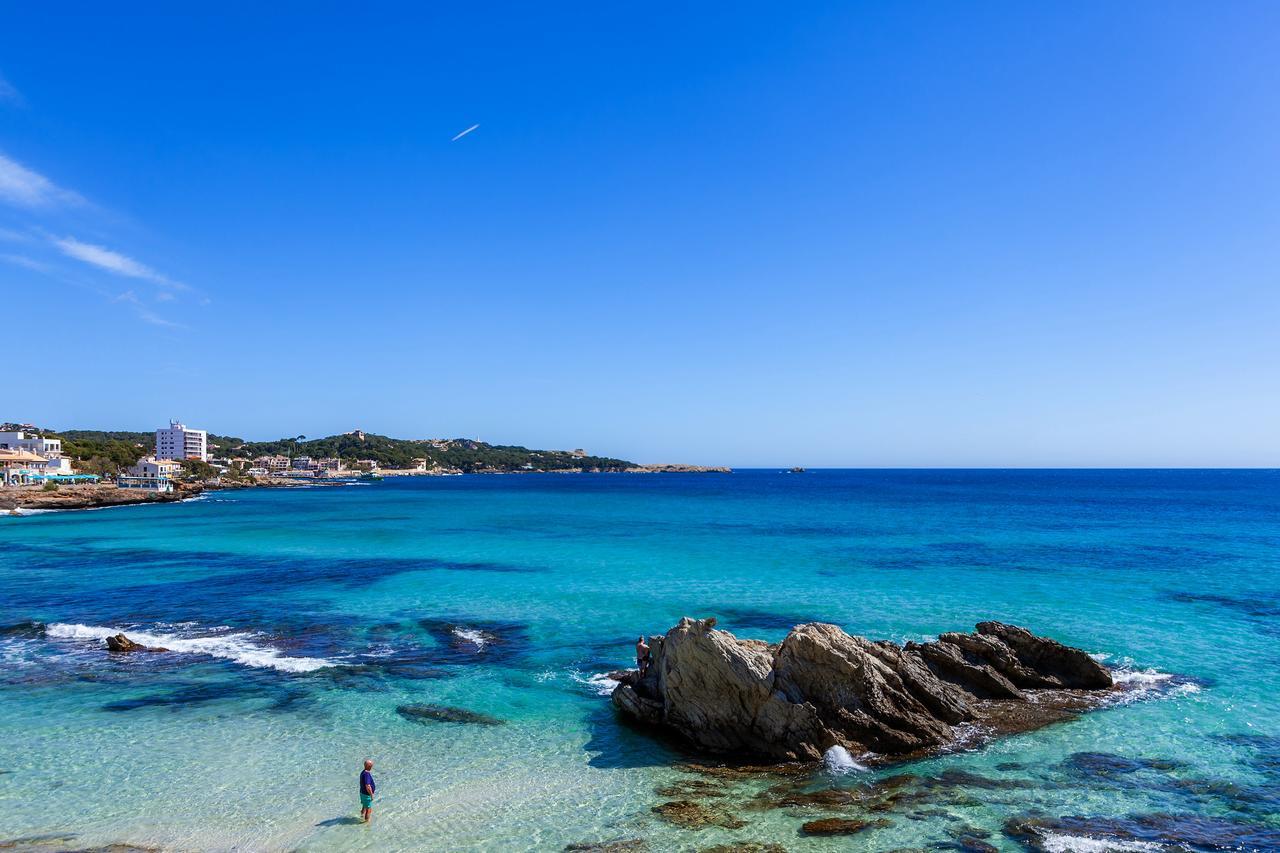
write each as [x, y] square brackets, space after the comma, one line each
[840, 760]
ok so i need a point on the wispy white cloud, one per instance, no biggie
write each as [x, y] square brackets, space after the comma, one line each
[112, 261]
[8, 94]
[29, 190]
[22, 187]
[144, 313]
[26, 263]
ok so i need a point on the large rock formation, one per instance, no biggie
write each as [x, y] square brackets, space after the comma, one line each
[821, 688]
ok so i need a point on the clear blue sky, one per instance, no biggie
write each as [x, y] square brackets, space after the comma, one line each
[822, 234]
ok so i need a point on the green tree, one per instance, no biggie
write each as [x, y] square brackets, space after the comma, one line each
[195, 469]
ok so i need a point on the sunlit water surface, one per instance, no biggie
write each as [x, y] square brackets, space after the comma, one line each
[300, 620]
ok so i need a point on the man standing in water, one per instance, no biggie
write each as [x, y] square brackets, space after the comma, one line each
[367, 787]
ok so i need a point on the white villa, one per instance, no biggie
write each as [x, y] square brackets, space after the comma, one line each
[151, 473]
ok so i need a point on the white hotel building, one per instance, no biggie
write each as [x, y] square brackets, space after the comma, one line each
[178, 442]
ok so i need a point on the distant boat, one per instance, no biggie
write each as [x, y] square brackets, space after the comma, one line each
[796, 471]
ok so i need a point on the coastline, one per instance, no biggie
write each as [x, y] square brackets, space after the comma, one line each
[13, 499]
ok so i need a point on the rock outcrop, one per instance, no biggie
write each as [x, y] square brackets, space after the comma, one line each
[820, 688]
[121, 643]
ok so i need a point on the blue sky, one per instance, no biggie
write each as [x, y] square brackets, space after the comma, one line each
[753, 234]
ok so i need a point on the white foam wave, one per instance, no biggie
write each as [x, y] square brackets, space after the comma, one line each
[600, 683]
[840, 760]
[1054, 842]
[477, 638]
[1140, 677]
[237, 647]
[1140, 684]
[17, 653]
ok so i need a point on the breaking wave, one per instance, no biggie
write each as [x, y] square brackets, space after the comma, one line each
[475, 637]
[238, 647]
[599, 683]
[1053, 842]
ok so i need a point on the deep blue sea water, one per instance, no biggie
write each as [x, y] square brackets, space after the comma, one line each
[300, 620]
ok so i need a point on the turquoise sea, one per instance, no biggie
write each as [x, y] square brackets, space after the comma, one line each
[300, 620]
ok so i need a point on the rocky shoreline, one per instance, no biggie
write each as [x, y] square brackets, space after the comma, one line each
[94, 496]
[679, 469]
[100, 495]
[823, 693]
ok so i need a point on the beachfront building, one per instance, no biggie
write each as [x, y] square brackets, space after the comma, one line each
[329, 464]
[48, 449]
[180, 442]
[303, 463]
[19, 467]
[151, 473]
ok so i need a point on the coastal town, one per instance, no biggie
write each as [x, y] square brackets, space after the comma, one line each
[41, 469]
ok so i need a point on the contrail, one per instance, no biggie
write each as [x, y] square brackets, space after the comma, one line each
[464, 133]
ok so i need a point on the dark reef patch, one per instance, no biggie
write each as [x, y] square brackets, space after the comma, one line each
[688, 814]
[1107, 765]
[1181, 831]
[1263, 605]
[187, 695]
[618, 845]
[840, 826]
[744, 618]
[468, 641]
[958, 778]
[446, 714]
[25, 629]
[201, 585]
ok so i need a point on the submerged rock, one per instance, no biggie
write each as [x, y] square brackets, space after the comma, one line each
[822, 688]
[1157, 830]
[121, 643]
[446, 714]
[840, 826]
[621, 845]
[690, 815]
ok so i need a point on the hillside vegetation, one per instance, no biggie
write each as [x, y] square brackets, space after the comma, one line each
[106, 451]
[464, 454]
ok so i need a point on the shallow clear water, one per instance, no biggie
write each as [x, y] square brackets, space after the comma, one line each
[301, 619]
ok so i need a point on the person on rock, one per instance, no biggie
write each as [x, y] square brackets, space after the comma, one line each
[642, 655]
[367, 787]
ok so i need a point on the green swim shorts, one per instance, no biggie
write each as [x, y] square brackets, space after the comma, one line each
[366, 801]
